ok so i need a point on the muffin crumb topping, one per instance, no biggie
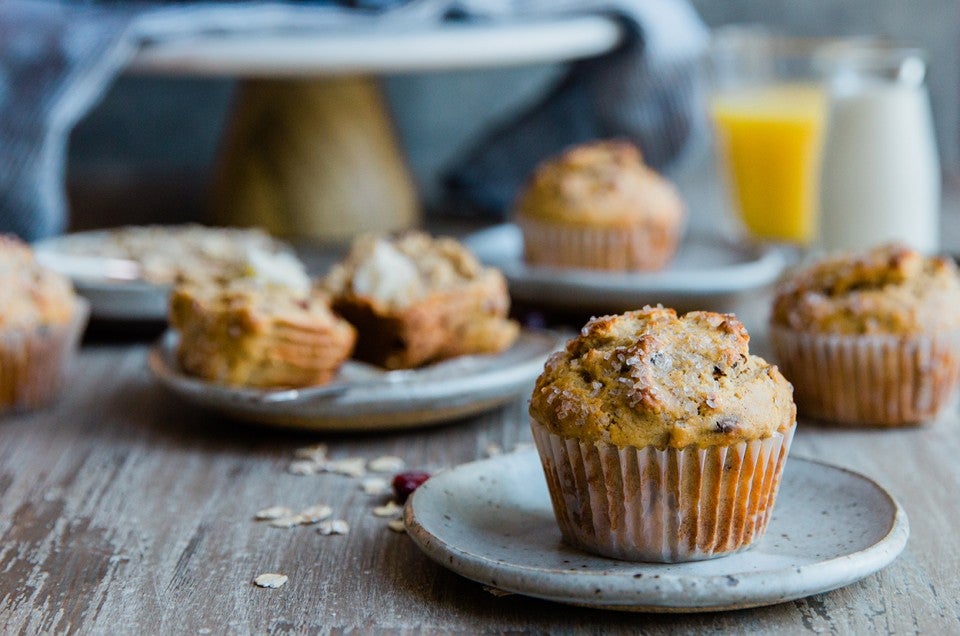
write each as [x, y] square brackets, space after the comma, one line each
[650, 377]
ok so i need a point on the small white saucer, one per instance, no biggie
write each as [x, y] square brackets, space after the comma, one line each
[706, 272]
[364, 397]
[491, 521]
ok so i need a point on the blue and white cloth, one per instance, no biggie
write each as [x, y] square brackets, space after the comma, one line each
[57, 59]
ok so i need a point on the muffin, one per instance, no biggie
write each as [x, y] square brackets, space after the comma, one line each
[870, 338]
[662, 438]
[249, 333]
[41, 320]
[415, 299]
[597, 206]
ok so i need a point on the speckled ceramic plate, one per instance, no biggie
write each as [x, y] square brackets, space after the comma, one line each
[491, 521]
[363, 397]
[707, 272]
[111, 285]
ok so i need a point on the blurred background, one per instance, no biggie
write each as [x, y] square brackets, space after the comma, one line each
[143, 154]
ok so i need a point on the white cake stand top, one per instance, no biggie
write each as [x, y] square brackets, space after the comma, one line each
[431, 48]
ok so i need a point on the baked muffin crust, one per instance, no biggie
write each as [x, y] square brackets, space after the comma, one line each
[599, 184]
[652, 378]
[891, 289]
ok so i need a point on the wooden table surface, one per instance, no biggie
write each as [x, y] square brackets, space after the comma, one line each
[125, 510]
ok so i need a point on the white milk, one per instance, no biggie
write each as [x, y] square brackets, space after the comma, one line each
[881, 175]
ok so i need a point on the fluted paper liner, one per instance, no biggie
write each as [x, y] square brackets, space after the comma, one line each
[875, 380]
[670, 505]
[33, 361]
[638, 248]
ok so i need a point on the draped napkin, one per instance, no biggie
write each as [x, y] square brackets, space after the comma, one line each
[57, 59]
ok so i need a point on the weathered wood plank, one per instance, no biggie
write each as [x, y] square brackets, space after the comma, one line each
[125, 510]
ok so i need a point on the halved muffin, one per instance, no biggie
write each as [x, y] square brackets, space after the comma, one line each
[248, 333]
[415, 299]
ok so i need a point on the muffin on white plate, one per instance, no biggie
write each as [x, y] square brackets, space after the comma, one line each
[661, 437]
[598, 206]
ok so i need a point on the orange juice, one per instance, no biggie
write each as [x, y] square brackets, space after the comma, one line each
[770, 140]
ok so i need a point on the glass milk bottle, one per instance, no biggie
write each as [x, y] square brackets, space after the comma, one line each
[881, 176]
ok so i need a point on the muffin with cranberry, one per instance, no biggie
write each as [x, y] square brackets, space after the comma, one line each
[41, 320]
[870, 338]
[415, 299]
[662, 438]
[248, 332]
[598, 206]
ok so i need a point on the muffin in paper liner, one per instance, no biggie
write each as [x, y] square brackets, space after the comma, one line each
[646, 246]
[33, 361]
[874, 379]
[669, 505]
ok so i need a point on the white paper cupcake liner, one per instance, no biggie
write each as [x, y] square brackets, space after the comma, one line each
[671, 505]
[644, 247]
[870, 379]
[34, 361]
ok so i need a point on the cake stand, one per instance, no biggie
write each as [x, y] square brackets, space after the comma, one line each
[310, 151]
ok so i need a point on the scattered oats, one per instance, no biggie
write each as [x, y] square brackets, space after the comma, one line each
[316, 453]
[351, 467]
[390, 509]
[271, 580]
[386, 464]
[313, 514]
[334, 526]
[273, 512]
[493, 450]
[397, 525]
[289, 521]
[375, 485]
[303, 467]
[496, 591]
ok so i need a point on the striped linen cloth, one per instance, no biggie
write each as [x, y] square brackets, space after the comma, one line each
[57, 59]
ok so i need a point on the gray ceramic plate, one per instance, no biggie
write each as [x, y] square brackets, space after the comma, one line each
[491, 521]
[111, 285]
[706, 272]
[363, 397]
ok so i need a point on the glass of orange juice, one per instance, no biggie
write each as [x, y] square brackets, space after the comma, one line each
[768, 106]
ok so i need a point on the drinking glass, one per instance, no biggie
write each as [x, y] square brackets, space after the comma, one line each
[768, 106]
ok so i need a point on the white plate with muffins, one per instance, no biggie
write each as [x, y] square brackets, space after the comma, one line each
[492, 522]
[363, 397]
[706, 272]
[598, 229]
[406, 330]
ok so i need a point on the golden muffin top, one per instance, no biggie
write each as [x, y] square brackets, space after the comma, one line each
[601, 183]
[31, 295]
[653, 378]
[890, 289]
[395, 272]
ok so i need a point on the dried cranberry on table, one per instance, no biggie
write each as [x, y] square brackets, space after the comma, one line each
[405, 483]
